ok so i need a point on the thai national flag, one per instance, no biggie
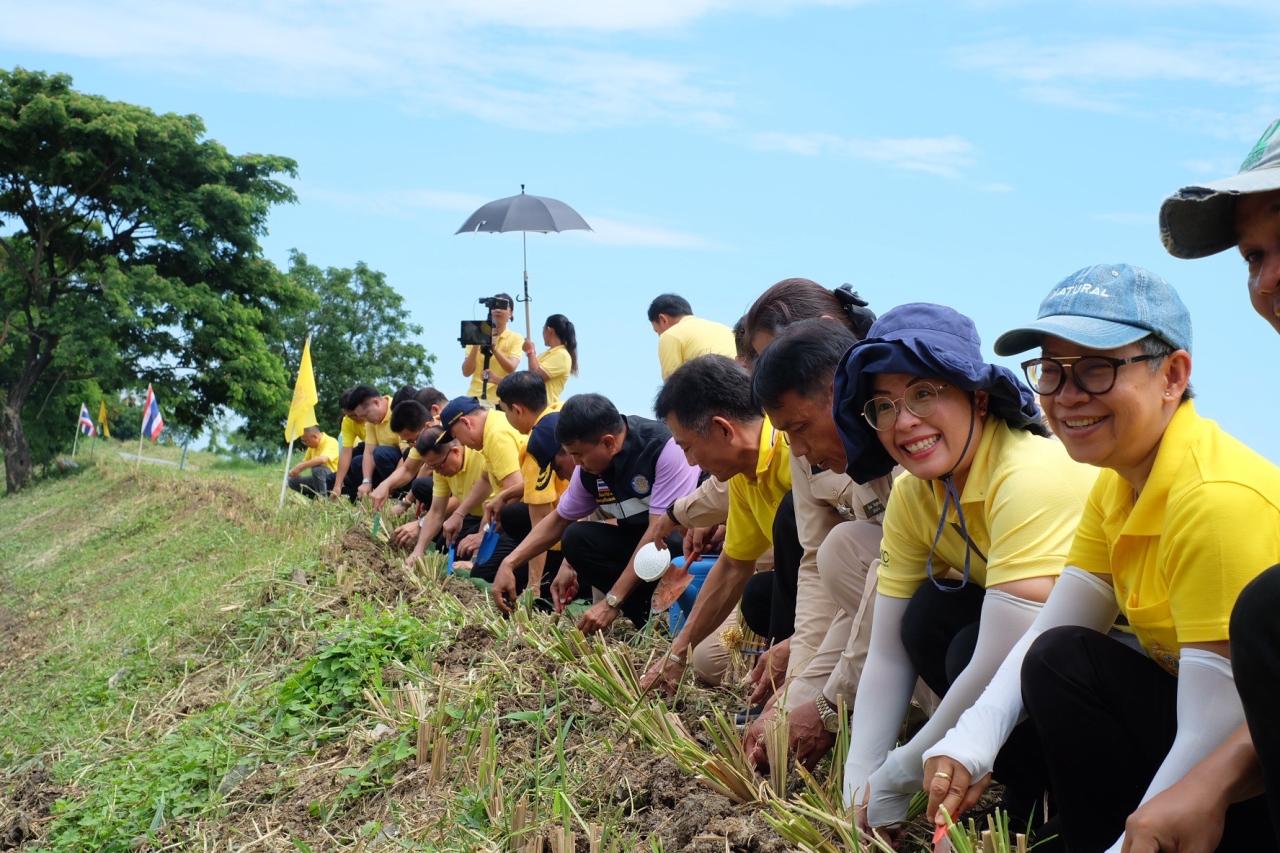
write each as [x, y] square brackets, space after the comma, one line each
[152, 423]
[86, 422]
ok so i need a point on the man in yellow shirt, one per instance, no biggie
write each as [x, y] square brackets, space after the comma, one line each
[1160, 542]
[456, 471]
[709, 408]
[505, 353]
[683, 337]
[382, 449]
[350, 435]
[523, 399]
[315, 473]
[488, 432]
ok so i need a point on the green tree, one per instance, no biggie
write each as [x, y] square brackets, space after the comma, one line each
[360, 333]
[129, 249]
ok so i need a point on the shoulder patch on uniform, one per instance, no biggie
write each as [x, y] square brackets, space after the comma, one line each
[641, 484]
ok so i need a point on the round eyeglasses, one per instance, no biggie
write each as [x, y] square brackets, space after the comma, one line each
[1092, 374]
[882, 412]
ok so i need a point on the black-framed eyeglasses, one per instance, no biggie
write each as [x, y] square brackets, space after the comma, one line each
[882, 412]
[1092, 374]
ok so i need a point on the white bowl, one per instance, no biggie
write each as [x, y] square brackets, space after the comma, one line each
[651, 562]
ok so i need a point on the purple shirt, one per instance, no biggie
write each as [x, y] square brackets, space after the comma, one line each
[673, 478]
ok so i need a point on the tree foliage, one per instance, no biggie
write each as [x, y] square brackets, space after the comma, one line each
[129, 254]
[360, 333]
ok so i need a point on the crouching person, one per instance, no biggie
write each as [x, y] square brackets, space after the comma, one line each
[631, 470]
[314, 475]
[975, 534]
[456, 471]
[1160, 542]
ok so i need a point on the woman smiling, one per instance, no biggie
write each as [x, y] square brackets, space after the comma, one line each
[975, 534]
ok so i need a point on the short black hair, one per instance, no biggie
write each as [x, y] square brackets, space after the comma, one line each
[671, 304]
[344, 400]
[405, 392]
[430, 396]
[588, 418]
[359, 394]
[803, 359]
[428, 438]
[709, 386]
[523, 388]
[409, 414]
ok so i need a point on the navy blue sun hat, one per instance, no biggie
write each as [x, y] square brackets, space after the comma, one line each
[456, 408]
[543, 445]
[920, 339]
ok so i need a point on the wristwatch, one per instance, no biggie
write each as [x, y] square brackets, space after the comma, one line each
[613, 601]
[830, 718]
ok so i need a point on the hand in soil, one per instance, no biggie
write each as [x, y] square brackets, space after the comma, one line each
[406, 534]
[809, 740]
[664, 675]
[769, 672]
[564, 587]
[598, 617]
[1187, 817]
[413, 558]
[504, 588]
[950, 788]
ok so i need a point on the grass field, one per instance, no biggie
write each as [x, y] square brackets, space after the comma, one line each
[182, 667]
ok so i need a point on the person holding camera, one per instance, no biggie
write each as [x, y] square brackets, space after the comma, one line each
[498, 358]
[560, 358]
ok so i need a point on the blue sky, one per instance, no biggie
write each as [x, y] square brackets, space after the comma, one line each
[972, 153]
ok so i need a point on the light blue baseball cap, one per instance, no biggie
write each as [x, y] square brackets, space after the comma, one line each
[1105, 307]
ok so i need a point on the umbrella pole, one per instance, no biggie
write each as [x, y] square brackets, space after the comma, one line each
[524, 256]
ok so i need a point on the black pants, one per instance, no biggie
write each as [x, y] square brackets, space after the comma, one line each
[420, 488]
[515, 524]
[599, 553]
[385, 460]
[939, 634]
[1106, 716]
[314, 481]
[1255, 660]
[769, 601]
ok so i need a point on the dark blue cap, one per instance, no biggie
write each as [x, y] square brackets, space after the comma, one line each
[920, 339]
[543, 444]
[456, 408]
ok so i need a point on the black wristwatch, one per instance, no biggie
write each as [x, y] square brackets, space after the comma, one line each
[830, 717]
[671, 514]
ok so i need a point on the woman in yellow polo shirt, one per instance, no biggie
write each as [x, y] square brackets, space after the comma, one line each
[975, 533]
[560, 358]
[1181, 518]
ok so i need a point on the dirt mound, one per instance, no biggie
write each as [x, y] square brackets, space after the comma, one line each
[25, 806]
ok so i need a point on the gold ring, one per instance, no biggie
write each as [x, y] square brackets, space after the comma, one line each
[941, 775]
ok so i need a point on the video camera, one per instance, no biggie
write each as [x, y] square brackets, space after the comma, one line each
[479, 333]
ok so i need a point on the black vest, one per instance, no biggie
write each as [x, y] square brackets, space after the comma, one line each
[623, 490]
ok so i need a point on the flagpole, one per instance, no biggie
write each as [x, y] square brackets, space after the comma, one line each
[284, 481]
[75, 439]
[141, 435]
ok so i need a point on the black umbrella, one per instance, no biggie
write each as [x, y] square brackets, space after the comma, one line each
[525, 213]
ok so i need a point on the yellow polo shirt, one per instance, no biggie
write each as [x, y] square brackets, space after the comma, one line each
[503, 448]
[511, 344]
[690, 338]
[557, 363]
[1207, 522]
[328, 448]
[381, 434]
[460, 484]
[1022, 502]
[540, 487]
[352, 432]
[753, 501]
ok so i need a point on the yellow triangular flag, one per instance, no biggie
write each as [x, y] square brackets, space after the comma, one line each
[102, 419]
[302, 413]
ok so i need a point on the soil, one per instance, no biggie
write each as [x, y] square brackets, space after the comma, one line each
[26, 806]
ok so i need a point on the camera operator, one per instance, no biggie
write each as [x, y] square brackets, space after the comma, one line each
[505, 350]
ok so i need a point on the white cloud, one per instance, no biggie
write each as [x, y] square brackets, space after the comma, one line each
[944, 156]
[406, 204]
[537, 66]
